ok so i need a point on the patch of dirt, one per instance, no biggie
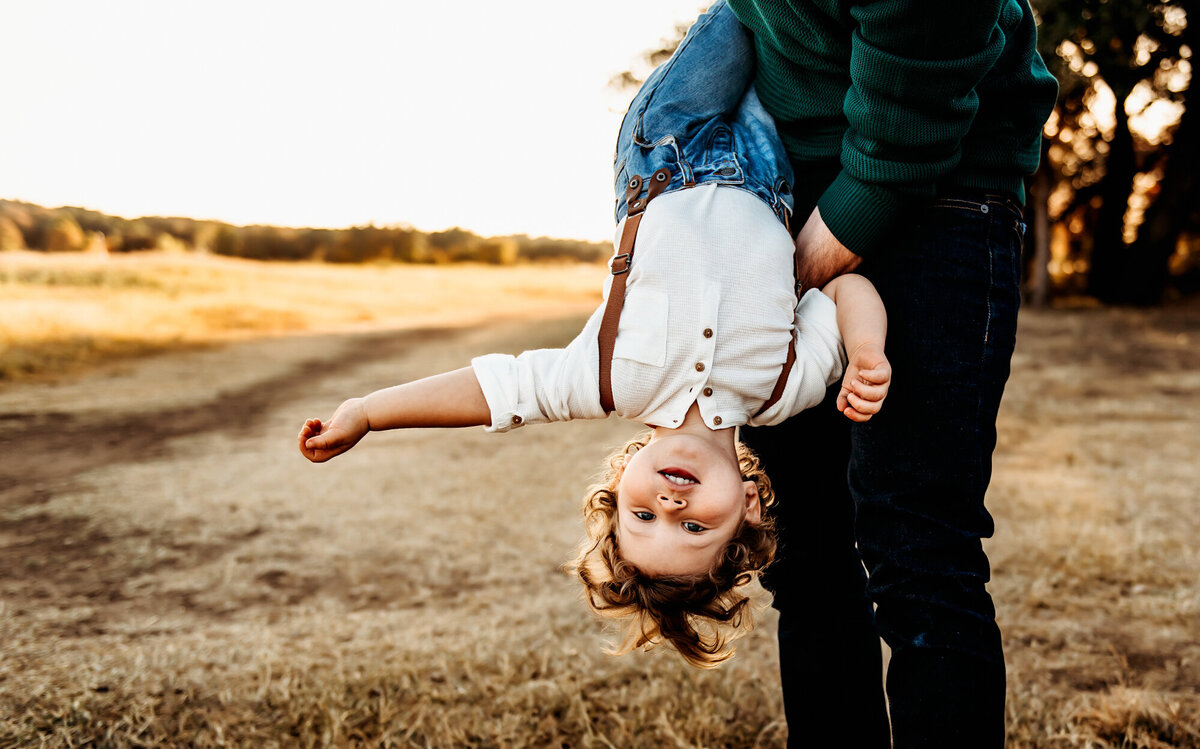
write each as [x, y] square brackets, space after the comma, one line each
[56, 446]
[70, 563]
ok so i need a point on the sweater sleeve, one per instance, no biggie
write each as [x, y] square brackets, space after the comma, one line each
[914, 68]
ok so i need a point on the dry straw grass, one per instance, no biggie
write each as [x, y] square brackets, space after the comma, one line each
[60, 312]
[173, 574]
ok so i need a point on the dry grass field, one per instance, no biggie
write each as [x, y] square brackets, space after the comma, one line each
[173, 573]
[63, 312]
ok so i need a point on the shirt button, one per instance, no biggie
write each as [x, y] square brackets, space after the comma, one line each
[717, 421]
[517, 420]
[699, 366]
[708, 332]
[708, 391]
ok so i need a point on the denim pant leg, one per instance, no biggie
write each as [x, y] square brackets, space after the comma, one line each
[919, 469]
[830, 659]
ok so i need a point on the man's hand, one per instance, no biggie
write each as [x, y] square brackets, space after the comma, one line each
[822, 256]
[868, 375]
[319, 442]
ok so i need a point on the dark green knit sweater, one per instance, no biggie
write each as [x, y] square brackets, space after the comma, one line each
[883, 105]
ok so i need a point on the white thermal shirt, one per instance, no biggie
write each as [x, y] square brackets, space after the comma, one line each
[710, 310]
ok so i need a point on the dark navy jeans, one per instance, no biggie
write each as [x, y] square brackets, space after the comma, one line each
[903, 497]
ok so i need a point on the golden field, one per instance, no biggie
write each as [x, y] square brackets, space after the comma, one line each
[173, 573]
[60, 311]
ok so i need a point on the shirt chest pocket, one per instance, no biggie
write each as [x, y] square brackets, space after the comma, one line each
[642, 332]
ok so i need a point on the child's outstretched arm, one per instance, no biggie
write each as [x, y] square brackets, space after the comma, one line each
[451, 399]
[863, 324]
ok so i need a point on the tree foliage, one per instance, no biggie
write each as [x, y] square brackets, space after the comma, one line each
[64, 235]
[60, 229]
[11, 237]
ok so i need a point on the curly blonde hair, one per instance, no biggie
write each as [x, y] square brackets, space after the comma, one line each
[699, 615]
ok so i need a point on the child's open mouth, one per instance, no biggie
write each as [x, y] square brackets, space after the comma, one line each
[678, 476]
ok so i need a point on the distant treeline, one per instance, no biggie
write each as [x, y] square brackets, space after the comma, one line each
[69, 229]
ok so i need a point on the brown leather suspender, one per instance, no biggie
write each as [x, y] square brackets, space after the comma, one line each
[781, 383]
[621, 263]
[620, 270]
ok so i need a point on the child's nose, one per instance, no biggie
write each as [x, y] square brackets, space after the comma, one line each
[677, 502]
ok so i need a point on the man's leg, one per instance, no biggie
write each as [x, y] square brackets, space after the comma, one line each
[919, 470]
[829, 652]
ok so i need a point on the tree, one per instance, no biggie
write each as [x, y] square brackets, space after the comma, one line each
[1124, 47]
[64, 235]
[499, 251]
[11, 237]
[630, 80]
[1176, 209]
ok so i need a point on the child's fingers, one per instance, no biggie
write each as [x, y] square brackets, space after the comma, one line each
[876, 376]
[862, 405]
[854, 407]
[306, 434]
[853, 415]
[868, 392]
[318, 453]
[311, 427]
[318, 442]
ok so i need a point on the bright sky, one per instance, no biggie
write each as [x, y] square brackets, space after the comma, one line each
[496, 117]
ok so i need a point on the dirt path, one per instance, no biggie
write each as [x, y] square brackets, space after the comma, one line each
[128, 413]
[205, 391]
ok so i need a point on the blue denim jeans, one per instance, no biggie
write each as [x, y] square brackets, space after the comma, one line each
[698, 116]
[903, 497]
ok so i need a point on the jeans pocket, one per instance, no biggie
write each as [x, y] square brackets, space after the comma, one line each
[1019, 230]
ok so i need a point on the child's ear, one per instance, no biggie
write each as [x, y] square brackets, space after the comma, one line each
[753, 506]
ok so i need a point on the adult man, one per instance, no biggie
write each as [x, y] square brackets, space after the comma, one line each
[910, 125]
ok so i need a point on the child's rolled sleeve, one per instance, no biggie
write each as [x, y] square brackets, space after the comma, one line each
[539, 386]
[817, 331]
[499, 378]
[820, 358]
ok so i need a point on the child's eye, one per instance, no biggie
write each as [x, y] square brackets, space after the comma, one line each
[644, 515]
[691, 527]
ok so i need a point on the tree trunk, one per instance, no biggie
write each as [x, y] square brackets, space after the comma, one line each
[1168, 217]
[1039, 195]
[1106, 278]
[1174, 211]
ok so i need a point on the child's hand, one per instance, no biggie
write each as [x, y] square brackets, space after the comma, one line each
[865, 385]
[319, 442]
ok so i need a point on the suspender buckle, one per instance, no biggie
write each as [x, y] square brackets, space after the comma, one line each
[623, 261]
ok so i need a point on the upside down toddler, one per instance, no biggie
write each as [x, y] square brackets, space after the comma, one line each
[700, 332]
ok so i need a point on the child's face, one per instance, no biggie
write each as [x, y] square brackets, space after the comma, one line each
[679, 502]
